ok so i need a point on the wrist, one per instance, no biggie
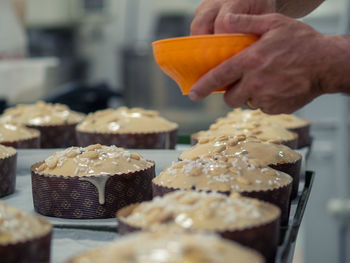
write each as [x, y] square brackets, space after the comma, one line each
[335, 76]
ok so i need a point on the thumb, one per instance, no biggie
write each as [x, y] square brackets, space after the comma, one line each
[251, 24]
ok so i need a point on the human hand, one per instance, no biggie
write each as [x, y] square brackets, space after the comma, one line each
[285, 69]
[210, 13]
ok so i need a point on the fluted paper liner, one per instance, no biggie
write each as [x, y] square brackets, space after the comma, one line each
[263, 238]
[277, 196]
[32, 143]
[75, 198]
[56, 136]
[152, 140]
[36, 250]
[8, 175]
[303, 132]
[293, 169]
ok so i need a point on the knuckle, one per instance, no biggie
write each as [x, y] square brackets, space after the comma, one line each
[276, 20]
[255, 58]
[219, 23]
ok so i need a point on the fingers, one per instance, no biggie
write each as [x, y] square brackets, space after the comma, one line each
[227, 73]
[235, 7]
[251, 24]
[237, 96]
[232, 70]
[203, 22]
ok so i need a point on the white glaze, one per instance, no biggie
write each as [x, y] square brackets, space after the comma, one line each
[100, 184]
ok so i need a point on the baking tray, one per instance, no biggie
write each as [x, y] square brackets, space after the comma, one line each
[74, 236]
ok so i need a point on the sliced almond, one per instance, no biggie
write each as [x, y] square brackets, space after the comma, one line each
[90, 155]
[196, 171]
[71, 154]
[222, 138]
[93, 147]
[203, 140]
[214, 127]
[135, 156]
[241, 137]
[256, 132]
[220, 149]
[243, 180]
[233, 170]
[42, 167]
[223, 159]
[177, 165]
[233, 142]
[51, 163]
[189, 199]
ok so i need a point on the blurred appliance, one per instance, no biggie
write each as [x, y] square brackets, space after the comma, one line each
[144, 83]
[83, 98]
[63, 13]
[27, 80]
[58, 28]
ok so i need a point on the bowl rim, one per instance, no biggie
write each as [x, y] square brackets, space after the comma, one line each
[208, 36]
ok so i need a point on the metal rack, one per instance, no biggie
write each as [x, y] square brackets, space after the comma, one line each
[288, 235]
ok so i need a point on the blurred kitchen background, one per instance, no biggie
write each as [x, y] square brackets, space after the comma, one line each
[91, 54]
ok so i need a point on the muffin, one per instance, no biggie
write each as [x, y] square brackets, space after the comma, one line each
[24, 238]
[227, 174]
[263, 131]
[288, 121]
[91, 182]
[56, 122]
[19, 136]
[169, 247]
[275, 155]
[248, 221]
[294, 124]
[8, 161]
[130, 128]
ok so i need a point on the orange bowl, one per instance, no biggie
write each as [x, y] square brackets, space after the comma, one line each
[186, 59]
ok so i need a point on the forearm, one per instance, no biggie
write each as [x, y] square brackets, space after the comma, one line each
[296, 8]
[335, 76]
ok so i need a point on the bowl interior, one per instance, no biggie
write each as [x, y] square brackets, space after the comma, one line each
[186, 59]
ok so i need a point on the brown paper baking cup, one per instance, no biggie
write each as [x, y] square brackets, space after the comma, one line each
[293, 169]
[304, 139]
[32, 143]
[123, 227]
[35, 250]
[8, 175]
[293, 144]
[278, 196]
[160, 140]
[263, 238]
[56, 136]
[72, 197]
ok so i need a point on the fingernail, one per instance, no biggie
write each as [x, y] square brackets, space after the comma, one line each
[193, 95]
